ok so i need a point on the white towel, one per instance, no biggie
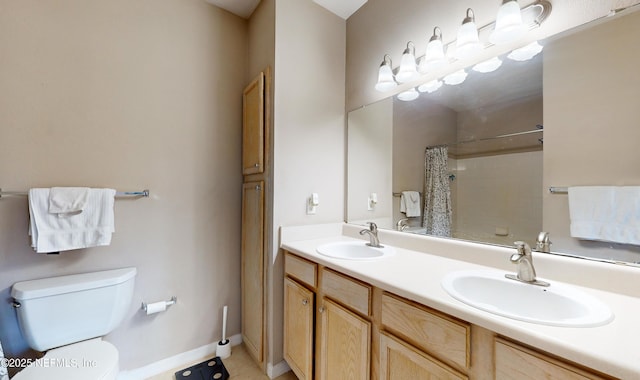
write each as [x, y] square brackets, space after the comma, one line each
[410, 203]
[606, 213]
[90, 228]
[67, 200]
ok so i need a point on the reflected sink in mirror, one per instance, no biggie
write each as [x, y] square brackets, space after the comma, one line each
[555, 305]
[354, 250]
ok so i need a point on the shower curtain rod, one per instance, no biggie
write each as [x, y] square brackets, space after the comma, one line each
[492, 138]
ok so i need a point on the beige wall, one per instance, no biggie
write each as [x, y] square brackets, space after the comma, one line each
[591, 114]
[129, 95]
[309, 130]
[369, 152]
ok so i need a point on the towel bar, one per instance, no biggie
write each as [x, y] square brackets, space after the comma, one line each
[143, 193]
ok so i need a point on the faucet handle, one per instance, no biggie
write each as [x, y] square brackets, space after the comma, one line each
[373, 227]
[522, 248]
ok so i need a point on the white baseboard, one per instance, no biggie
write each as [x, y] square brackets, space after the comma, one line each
[175, 361]
[274, 371]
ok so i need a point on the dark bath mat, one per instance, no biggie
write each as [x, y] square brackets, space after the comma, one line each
[211, 369]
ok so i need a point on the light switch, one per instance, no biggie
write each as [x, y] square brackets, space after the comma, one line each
[312, 203]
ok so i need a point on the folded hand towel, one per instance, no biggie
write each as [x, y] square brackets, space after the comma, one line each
[93, 227]
[410, 203]
[606, 213]
[67, 200]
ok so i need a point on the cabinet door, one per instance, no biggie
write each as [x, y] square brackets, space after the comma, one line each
[298, 328]
[252, 268]
[517, 362]
[253, 127]
[345, 343]
[400, 361]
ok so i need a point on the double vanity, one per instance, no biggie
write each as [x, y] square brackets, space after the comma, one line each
[422, 306]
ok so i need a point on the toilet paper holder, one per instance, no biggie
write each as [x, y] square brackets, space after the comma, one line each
[172, 301]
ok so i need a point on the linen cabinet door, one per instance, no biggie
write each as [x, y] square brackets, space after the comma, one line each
[252, 269]
[253, 131]
[298, 328]
[345, 343]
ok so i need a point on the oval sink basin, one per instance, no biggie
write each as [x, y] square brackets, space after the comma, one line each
[554, 305]
[354, 250]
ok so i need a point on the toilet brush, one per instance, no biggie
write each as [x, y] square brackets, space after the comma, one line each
[224, 346]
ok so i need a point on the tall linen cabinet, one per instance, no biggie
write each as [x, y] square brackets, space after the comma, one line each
[255, 171]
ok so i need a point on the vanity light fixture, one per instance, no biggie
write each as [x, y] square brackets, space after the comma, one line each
[409, 95]
[434, 57]
[385, 75]
[488, 66]
[509, 26]
[455, 78]
[468, 43]
[525, 53]
[407, 71]
[430, 86]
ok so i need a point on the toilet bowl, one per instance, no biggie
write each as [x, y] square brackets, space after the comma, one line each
[93, 359]
[66, 317]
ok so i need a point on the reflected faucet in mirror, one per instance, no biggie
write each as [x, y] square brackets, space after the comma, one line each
[543, 244]
[402, 224]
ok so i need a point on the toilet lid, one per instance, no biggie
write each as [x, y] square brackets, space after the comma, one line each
[91, 359]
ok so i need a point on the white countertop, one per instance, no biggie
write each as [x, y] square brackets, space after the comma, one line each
[416, 271]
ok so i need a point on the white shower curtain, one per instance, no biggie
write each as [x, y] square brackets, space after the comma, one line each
[437, 193]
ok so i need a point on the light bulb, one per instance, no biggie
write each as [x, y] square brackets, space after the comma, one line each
[434, 56]
[488, 66]
[385, 76]
[509, 26]
[408, 95]
[525, 53]
[468, 44]
[430, 86]
[407, 71]
[455, 78]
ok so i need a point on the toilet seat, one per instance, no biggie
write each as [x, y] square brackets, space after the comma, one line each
[90, 359]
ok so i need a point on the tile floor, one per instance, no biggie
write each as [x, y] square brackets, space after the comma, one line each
[240, 366]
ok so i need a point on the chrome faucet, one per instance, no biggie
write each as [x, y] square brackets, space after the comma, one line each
[402, 224]
[524, 260]
[543, 244]
[373, 235]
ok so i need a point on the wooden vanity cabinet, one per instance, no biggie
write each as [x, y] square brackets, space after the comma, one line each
[515, 361]
[344, 329]
[299, 315]
[337, 335]
[361, 332]
[299, 304]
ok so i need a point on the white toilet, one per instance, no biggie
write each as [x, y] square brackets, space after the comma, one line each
[66, 316]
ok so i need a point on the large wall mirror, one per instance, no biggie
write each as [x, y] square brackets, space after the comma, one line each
[567, 117]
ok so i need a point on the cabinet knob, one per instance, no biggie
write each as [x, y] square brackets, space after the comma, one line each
[305, 302]
[257, 165]
[258, 187]
[321, 309]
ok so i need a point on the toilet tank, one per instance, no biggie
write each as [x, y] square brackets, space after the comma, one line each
[57, 311]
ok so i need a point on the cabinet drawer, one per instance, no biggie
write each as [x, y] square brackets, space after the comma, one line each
[349, 292]
[435, 333]
[301, 269]
[399, 360]
[517, 362]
